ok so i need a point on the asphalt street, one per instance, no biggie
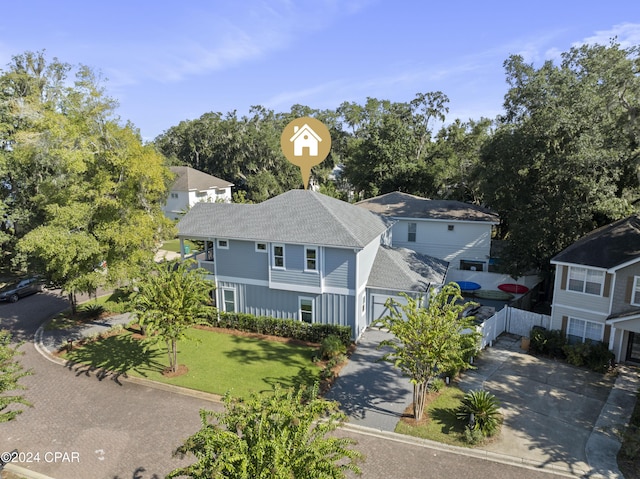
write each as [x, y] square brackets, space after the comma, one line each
[82, 426]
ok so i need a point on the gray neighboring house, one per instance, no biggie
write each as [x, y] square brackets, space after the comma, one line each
[597, 289]
[306, 256]
[456, 232]
[192, 186]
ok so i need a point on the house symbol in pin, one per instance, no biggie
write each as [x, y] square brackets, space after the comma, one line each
[303, 138]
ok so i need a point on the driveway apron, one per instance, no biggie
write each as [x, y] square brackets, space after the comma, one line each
[372, 392]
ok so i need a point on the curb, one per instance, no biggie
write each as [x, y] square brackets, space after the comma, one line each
[462, 451]
[44, 352]
[27, 473]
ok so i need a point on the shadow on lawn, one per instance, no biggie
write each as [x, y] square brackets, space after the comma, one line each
[113, 357]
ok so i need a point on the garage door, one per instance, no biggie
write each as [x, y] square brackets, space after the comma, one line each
[379, 307]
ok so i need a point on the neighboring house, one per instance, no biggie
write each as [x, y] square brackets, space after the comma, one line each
[306, 256]
[453, 231]
[305, 137]
[192, 186]
[597, 289]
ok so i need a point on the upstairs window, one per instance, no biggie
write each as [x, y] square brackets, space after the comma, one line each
[311, 259]
[278, 256]
[584, 280]
[261, 247]
[635, 297]
[223, 244]
[411, 237]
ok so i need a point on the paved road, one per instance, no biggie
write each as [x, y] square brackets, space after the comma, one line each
[122, 430]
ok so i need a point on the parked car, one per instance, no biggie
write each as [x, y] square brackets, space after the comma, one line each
[13, 291]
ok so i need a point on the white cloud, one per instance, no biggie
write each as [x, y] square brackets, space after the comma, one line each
[626, 34]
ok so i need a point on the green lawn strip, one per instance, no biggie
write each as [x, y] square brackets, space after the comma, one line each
[217, 362]
[440, 423]
[174, 245]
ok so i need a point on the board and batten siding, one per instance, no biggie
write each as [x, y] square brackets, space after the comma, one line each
[339, 268]
[467, 240]
[241, 261]
[263, 301]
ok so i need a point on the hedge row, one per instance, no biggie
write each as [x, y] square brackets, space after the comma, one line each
[285, 328]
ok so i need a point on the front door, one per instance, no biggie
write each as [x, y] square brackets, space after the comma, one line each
[633, 349]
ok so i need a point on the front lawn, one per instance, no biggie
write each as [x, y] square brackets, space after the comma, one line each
[174, 245]
[439, 422]
[217, 362]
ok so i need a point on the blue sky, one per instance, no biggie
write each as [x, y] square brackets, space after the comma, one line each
[170, 61]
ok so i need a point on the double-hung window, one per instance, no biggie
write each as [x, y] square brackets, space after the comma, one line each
[411, 235]
[229, 300]
[278, 256]
[579, 330]
[584, 280]
[305, 307]
[635, 295]
[310, 259]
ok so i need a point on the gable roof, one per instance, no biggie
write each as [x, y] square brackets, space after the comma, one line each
[403, 205]
[607, 247]
[190, 179]
[297, 216]
[402, 269]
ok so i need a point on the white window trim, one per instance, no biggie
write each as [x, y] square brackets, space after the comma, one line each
[273, 256]
[220, 246]
[414, 232]
[586, 275]
[313, 308]
[223, 303]
[310, 248]
[584, 338]
[636, 285]
[266, 247]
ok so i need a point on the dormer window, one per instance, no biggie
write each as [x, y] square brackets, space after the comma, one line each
[411, 236]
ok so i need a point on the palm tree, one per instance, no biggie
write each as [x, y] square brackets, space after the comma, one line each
[172, 298]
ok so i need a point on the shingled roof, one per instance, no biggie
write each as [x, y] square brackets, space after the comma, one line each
[606, 247]
[297, 216]
[190, 179]
[403, 205]
[402, 269]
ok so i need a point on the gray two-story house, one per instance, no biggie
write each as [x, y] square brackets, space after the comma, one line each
[597, 289]
[306, 256]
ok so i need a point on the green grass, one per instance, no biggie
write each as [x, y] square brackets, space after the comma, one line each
[174, 245]
[440, 423]
[217, 362]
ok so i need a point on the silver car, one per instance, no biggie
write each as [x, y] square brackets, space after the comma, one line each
[12, 292]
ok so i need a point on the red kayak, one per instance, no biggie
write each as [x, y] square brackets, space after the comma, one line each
[513, 288]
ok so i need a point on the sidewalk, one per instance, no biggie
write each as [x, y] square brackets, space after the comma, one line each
[54, 339]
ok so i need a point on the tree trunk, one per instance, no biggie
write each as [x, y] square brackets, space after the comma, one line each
[174, 353]
[74, 303]
[419, 393]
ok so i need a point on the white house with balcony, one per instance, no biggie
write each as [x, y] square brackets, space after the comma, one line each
[597, 289]
[192, 186]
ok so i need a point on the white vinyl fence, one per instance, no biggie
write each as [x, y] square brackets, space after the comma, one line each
[513, 321]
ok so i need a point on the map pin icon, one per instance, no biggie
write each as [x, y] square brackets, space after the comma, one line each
[305, 142]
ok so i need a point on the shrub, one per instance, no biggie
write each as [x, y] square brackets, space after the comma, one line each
[436, 385]
[547, 342]
[332, 347]
[472, 435]
[631, 443]
[480, 411]
[591, 354]
[286, 328]
[93, 310]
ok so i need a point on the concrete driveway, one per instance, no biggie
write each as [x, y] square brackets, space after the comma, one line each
[555, 414]
[371, 392]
